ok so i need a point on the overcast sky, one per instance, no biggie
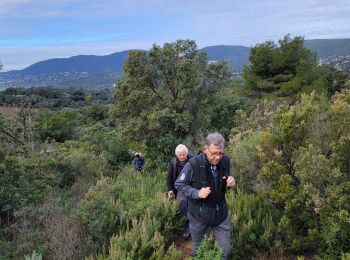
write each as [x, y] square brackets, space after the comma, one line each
[35, 30]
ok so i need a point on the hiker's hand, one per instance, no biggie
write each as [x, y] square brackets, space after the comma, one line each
[171, 194]
[204, 192]
[230, 182]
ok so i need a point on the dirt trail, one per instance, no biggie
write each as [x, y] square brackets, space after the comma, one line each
[185, 246]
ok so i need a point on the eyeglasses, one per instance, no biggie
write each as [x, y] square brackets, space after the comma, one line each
[218, 154]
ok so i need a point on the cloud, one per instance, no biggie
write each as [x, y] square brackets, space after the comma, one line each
[62, 28]
[6, 6]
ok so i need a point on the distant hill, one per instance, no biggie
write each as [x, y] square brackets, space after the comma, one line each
[103, 71]
[92, 64]
[329, 47]
[235, 55]
[82, 63]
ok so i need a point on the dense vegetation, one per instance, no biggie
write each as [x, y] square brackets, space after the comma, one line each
[54, 98]
[68, 190]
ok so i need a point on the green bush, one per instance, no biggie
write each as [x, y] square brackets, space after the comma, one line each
[102, 140]
[59, 127]
[303, 173]
[100, 211]
[24, 182]
[159, 151]
[208, 250]
[244, 161]
[96, 112]
[114, 206]
[252, 227]
[34, 256]
[142, 240]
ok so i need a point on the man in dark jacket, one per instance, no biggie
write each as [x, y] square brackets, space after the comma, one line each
[204, 180]
[138, 162]
[174, 168]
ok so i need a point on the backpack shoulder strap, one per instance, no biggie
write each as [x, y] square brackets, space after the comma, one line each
[226, 165]
[199, 163]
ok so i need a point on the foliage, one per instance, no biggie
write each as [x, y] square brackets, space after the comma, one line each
[99, 211]
[208, 250]
[252, 227]
[164, 94]
[296, 158]
[289, 68]
[243, 142]
[96, 112]
[244, 160]
[301, 179]
[72, 193]
[159, 151]
[222, 115]
[115, 206]
[23, 183]
[337, 81]
[54, 98]
[142, 240]
[17, 129]
[164, 90]
[103, 140]
[34, 256]
[59, 127]
[27, 182]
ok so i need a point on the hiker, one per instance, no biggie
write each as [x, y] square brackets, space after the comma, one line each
[138, 162]
[174, 168]
[204, 180]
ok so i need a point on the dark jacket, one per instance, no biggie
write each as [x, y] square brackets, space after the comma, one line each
[138, 163]
[196, 175]
[174, 169]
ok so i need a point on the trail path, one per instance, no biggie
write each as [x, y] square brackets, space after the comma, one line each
[185, 246]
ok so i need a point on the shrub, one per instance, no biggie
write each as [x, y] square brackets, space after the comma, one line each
[244, 159]
[96, 112]
[114, 206]
[159, 151]
[59, 127]
[34, 256]
[208, 250]
[252, 225]
[303, 173]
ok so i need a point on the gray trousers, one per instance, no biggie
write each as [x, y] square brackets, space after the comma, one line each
[222, 234]
[182, 200]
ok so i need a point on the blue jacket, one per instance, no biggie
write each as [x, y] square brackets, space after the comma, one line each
[138, 163]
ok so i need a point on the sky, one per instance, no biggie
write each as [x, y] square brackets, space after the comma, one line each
[35, 30]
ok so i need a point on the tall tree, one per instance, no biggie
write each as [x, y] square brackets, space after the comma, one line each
[166, 91]
[285, 68]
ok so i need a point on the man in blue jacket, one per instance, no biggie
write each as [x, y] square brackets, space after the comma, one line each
[138, 162]
[204, 180]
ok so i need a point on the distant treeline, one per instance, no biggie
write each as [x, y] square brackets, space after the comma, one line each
[54, 98]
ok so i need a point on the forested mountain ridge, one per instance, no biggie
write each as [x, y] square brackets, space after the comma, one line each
[81, 63]
[329, 47]
[102, 71]
[235, 55]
